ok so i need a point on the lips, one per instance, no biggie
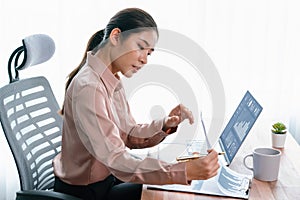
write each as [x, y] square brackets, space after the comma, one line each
[136, 67]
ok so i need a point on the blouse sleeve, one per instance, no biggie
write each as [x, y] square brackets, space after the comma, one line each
[134, 135]
[137, 137]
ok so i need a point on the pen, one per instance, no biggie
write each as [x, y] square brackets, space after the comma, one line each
[195, 156]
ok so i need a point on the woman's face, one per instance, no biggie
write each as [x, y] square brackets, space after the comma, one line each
[131, 54]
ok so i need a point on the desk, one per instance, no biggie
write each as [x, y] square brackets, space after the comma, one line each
[286, 187]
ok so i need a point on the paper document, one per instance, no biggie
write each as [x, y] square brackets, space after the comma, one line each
[227, 183]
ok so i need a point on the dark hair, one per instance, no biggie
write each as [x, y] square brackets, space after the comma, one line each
[93, 42]
[130, 20]
[133, 19]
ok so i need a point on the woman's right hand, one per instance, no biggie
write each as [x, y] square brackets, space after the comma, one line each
[177, 115]
[203, 168]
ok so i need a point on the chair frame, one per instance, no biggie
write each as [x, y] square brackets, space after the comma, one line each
[21, 123]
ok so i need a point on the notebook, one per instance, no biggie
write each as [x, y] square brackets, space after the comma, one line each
[227, 182]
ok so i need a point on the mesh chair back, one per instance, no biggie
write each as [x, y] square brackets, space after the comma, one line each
[32, 126]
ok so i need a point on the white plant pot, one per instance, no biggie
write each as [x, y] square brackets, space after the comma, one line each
[278, 140]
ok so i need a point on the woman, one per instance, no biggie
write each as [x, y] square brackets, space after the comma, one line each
[98, 125]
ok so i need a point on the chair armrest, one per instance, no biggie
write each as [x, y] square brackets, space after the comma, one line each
[43, 195]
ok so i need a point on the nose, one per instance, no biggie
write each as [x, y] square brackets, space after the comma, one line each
[143, 57]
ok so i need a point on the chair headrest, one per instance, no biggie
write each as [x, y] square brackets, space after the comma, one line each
[38, 48]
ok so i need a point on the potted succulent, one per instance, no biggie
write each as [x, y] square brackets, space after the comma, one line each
[278, 134]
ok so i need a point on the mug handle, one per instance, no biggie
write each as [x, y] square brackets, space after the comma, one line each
[244, 161]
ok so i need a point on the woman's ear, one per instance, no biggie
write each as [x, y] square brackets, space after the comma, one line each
[114, 36]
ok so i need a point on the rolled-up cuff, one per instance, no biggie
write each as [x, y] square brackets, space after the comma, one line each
[179, 174]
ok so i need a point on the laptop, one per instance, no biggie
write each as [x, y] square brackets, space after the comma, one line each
[235, 131]
[238, 127]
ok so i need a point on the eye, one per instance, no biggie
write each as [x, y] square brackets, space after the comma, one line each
[141, 47]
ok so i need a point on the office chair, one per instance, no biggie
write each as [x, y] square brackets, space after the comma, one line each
[30, 121]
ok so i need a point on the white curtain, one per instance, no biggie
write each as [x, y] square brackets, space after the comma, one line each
[254, 44]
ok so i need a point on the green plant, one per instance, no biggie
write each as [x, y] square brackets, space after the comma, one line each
[278, 128]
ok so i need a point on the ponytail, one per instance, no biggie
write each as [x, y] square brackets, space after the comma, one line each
[93, 42]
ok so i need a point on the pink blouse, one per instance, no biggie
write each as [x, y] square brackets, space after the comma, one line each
[97, 128]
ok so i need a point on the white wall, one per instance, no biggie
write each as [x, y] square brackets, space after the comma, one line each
[254, 44]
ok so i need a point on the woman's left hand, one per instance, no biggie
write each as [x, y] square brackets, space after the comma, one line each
[177, 115]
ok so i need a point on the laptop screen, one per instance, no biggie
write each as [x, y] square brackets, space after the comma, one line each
[239, 126]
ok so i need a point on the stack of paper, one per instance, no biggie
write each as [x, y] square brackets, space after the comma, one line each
[227, 183]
